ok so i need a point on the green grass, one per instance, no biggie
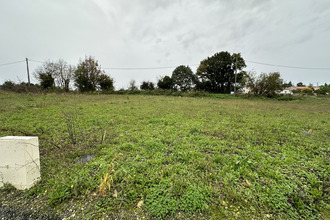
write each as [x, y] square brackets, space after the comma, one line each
[184, 157]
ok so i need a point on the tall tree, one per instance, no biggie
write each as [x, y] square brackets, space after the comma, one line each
[287, 85]
[63, 74]
[45, 74]
[183, 78]
[264, 84]
[132, 85]
[165, 82]
[217, 73]
[46, 80]
[60, 71]
[147, 85]
[105, 82]
[87, 75]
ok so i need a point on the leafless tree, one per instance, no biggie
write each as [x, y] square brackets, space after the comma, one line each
[61, 72]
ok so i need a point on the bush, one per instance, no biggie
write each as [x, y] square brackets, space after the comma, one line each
[147, 86]
[105, 83]
[165, 82]
[324, 90]
[20, 88]
[8, 86]
[286, 98]
[307, 91]
[89, 77]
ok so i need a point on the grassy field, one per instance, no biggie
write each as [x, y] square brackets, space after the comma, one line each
[173, 157]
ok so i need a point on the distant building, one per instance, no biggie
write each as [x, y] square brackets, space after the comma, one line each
[286, 92]
[302, 87]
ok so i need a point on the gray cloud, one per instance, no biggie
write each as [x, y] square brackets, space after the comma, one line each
[150, 33]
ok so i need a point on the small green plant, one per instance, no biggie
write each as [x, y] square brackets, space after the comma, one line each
[7, 188]
[195, 199]
[70, 119]
[61, 192]
[168, 197]
[159, 201]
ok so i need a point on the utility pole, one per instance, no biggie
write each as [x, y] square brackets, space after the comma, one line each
[27, 69]
[235, 75]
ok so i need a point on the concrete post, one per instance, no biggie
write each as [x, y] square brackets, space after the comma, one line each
[19, 161]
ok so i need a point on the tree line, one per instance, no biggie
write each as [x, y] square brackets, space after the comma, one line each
[87, 76]
[215, 74]
[220, 73]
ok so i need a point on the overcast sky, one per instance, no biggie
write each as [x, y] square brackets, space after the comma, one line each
[166, 33]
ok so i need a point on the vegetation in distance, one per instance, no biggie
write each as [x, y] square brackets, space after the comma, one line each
[221, 73]
[172, 157]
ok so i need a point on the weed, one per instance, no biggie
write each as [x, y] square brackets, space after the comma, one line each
[106, 182]
[7, 188]
[70, 119]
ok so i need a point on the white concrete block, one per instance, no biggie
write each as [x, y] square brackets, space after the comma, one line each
[19, 161]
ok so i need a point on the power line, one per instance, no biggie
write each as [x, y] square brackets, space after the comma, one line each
[142, 68]
[129, 68]
[292, 67]
[171, 67]
[137, 68]
[21, 61]
[5, 64]
[36, 61]
[266, 64]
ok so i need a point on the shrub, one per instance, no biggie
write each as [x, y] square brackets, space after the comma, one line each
[20, 88]
[323, 90]
[307, 91]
